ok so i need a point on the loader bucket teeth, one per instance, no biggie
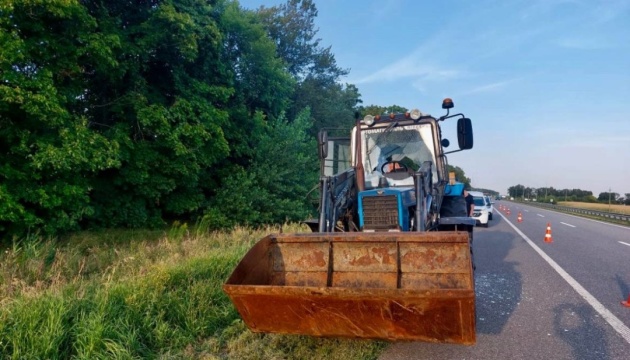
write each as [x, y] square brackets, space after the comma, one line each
[392, 286]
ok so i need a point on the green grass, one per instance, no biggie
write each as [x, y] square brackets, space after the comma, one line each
[123, 294]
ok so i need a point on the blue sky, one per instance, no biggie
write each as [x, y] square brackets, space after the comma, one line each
[546, 82]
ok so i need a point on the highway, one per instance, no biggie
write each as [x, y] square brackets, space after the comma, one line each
[540, 300]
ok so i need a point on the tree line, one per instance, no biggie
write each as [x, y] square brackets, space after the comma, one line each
[136, 113]
[555, 195]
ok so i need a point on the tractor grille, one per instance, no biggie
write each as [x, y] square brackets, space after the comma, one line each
[380, 213]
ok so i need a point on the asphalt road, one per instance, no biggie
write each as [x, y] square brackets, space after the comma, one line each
[539, 300]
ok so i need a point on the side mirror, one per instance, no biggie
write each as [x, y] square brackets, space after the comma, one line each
[322, 144]
[464, 133]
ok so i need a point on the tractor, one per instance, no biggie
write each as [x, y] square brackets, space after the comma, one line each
[390, 255]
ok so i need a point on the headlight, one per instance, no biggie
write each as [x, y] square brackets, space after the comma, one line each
[368, 120]
[415, 114]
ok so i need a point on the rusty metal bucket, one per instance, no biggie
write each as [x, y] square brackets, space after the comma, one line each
[393, 286]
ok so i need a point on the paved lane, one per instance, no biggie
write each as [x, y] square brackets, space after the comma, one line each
[525, 308]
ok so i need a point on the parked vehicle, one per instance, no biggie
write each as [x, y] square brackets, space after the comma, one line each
[481, 213]
[490, 207]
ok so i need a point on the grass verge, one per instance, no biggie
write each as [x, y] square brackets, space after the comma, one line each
[140, 295]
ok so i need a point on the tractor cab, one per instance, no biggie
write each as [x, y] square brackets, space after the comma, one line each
[393, 151]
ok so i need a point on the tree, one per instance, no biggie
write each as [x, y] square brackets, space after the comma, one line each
[335, 104]
[381, 110]
[606, 197]
[274, 188]
[50, 150]
[487, 191]
[164, 101]
[516, 191]
[126, 113]
[292, 28]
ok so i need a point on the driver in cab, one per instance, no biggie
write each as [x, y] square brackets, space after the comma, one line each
[403, 165]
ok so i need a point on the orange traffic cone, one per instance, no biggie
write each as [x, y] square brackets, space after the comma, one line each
[626, 303]
[508, 211]
[520, 217]
[548, 238]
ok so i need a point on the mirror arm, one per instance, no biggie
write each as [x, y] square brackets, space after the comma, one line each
[450, 152]
[450, 116]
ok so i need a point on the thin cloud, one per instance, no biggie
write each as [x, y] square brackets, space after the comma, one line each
[410, 67]
[381, 10]
[421, 83]
[537, 8]
[419, 64]
[490, 87]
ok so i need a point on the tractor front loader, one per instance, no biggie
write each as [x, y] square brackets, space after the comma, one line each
[390, 256]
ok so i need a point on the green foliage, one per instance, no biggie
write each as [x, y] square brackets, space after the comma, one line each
[332, 105]
[606, 197]
[292, 27]
[49, 152]
[136, 114]
[546, 193]
[381, 110]
[274, 188]
[488, 192]
[123, 114]
[165, 105]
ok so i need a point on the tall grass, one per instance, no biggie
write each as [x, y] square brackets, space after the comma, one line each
[615, 208]
[139, 294]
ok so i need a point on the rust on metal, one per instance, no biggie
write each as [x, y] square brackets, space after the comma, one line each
[394, 286]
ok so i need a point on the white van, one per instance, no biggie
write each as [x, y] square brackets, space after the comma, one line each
[481, 213]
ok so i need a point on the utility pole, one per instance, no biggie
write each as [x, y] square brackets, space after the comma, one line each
[609, 199]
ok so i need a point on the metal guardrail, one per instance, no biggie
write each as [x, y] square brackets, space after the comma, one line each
[603, 214]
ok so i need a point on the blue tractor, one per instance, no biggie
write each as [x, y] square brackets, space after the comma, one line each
[391, 175]
[390, 256]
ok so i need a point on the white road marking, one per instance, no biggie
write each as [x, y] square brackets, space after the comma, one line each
[621, 242]
[616, 324]
[563, 223]
[540, 215]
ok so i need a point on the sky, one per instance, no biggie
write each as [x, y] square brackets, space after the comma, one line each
[545, 82]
